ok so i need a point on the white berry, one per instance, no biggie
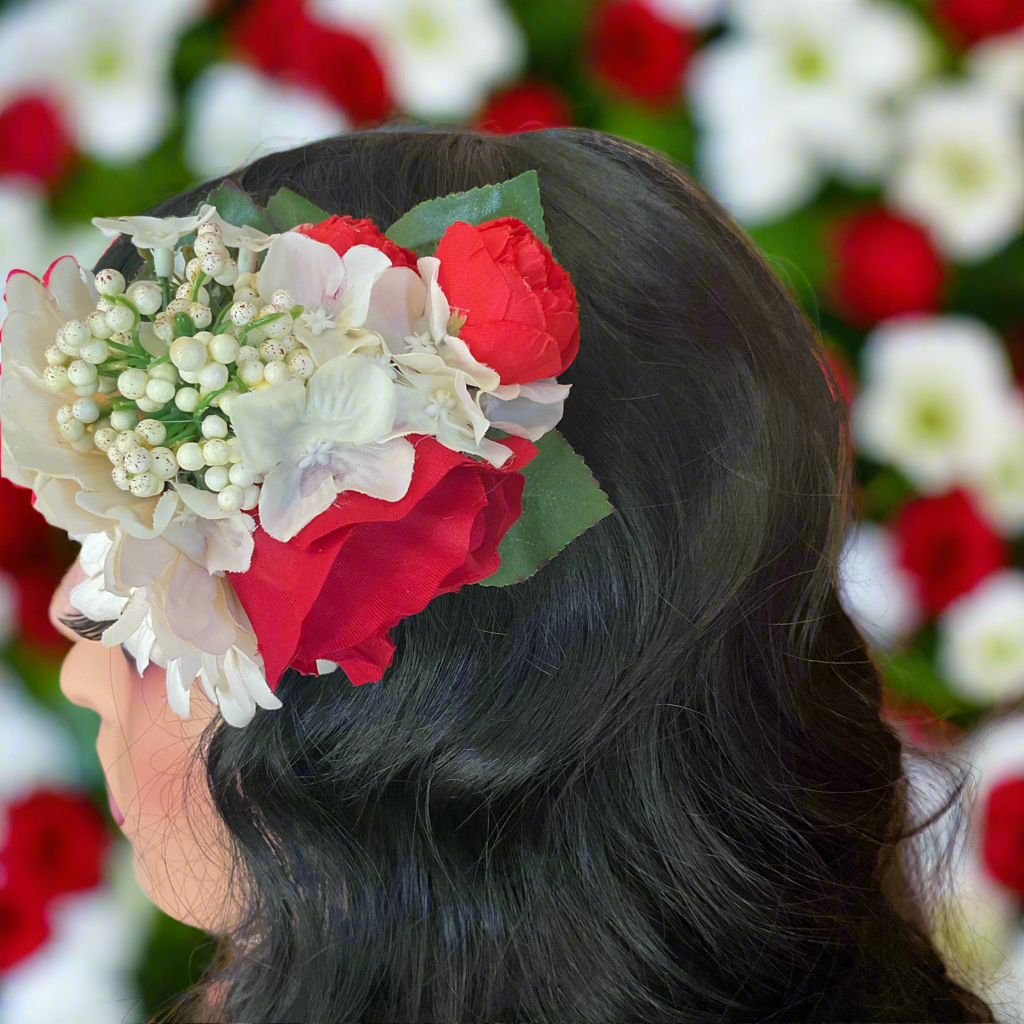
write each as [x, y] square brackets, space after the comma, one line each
[120, 477]
[252, 497]
[231, 498]
[283, 298]
[229, 275]
[137, 460]
[251, 372]
[72, 430]
[164, 371]
[188, 354]
[246, 354]
[72, 336]
[115, 455]
[98, 326]
[152, 432]
[241, 313]
[54, 356]
[126, 440]
[95, 351]
[207, 243]
[145, 485]
[110, 282]
[215, 426]
[163, 328]
[146, 404]
[192, 270]
[271, 350]
[179, 305]
[120, 318]
[86, 410]
[104, 438]
[234, 450]
[190, 457]
[106, 385]
[213, 263]
[56, 378]
[209, 227]
[187, 399]
[147, 296]
[276, 373]
[224, 348]
[132, 383]
[216, 478]
[81, 372]
[241, 475]
[200, 314]
[158, 390]
[225, 401]
[123, 419]
[247, 295]
[164, 465]
[105, 305]
[279, 328]
[213, 376]
[215, 452]
[302, 365]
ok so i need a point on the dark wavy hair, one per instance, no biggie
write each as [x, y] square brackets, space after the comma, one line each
[650, 783]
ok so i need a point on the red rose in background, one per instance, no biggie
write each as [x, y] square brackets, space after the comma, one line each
[883, 266]
[1002, 845]
[22, 528]
[55, 843]
[368, 563]
[971, 20]
[525, 107]
[33, 141]
[947, 547]
[24, 926]
[918, 724]
[281, 39]
[520, 306]
[341, 233]
[637, 53]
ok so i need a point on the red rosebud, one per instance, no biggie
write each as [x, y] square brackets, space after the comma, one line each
[968, 21]
[883, 266]
[24, 925]
[22, 529]
[366, 563]
[637, 53]
[1002, 846]
[33, 141]
[281, 39]
[36, 582]
[520, 306]
[526, 107]
[341, 233]
[947, 546]
[55, 842]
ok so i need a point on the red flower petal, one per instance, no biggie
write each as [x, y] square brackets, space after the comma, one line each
[525, 107]
[24, 925]
[968, 21]
[33, 140]
[638, 54]
[341, 233]
[947, 547]
[1003, 834]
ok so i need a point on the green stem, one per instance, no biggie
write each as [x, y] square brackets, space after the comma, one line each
[165, 358]
[241, 383]
[165, 285]
[205, 401]
[218, 324]
[197, 284]
[125, 301]
[260, 322]
[127, 349]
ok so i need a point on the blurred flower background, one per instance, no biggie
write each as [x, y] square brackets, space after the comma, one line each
[873, 148]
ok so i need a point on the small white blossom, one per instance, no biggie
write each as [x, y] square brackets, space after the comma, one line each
[317, 321]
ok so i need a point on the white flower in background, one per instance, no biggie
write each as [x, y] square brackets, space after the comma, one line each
[24, 231]
[981, 642]
[961, 169]
[685, 13]
[107, 63]
[441, 57]
[34, 751]
[81, 241]
[999, 488]
[874, 590]
[235, 114]
[936, 399]
[799, 90]
[312, 443]
[999, 64]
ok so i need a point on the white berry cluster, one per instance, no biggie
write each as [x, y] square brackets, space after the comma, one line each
[156, 417]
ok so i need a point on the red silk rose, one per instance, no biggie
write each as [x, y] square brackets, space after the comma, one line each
[24, 925]
[522, 319]
[341, 233]
[1003, 834]
[366, 563]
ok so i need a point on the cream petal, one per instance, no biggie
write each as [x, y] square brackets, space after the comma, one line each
[193, 608]
[229, 543]
[312, 271]
[250, 674]
[437, 308]
[396, 303]
[155, 346]
[25, 293]
[235, 236]
[332, 344]
[364, 265]
[137, 563]
[237, 709]
[10, 470]
[470, 407]
[380, 470]
[130, 620]
[26, 337]
[71, 293]
[351, 399]
[181, 673]
[141, 517]
[284, 509]
[91, 599]
[57, 502]
[479, 374]
[523, 416]
[506, 392]
[267, 423]
[93, 552]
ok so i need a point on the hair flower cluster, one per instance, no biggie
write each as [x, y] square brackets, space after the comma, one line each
[303, 408]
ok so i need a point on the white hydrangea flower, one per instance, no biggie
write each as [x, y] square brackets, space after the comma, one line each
[24, 234]
[999, 64]
[874, 590]
[107, 66]
[935, 399]
[981, 643]
[802, 89]
[441, 57]
[961, 169]
[235, 114]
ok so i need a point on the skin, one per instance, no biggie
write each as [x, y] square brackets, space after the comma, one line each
[146, 752]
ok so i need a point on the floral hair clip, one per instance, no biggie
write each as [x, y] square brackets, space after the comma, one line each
[291, 430]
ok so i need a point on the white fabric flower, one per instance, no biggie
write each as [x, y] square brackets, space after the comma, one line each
[981, 643]
[801, 89]
[319, 278]
[314, 442]
[152, 232]
[24, 237]
[441, 57]
[318, 320]
[998, 63]
[105, 65]
[935, 400]
[874, 590]
[235, 115]
[961, 170]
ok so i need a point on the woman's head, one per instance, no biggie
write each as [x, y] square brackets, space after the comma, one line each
[651, 781]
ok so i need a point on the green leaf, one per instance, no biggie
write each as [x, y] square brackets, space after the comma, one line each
[287, 209]
[561, 500]
[912, 674]
[797, 251]
[422, 227]
[236, 207]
